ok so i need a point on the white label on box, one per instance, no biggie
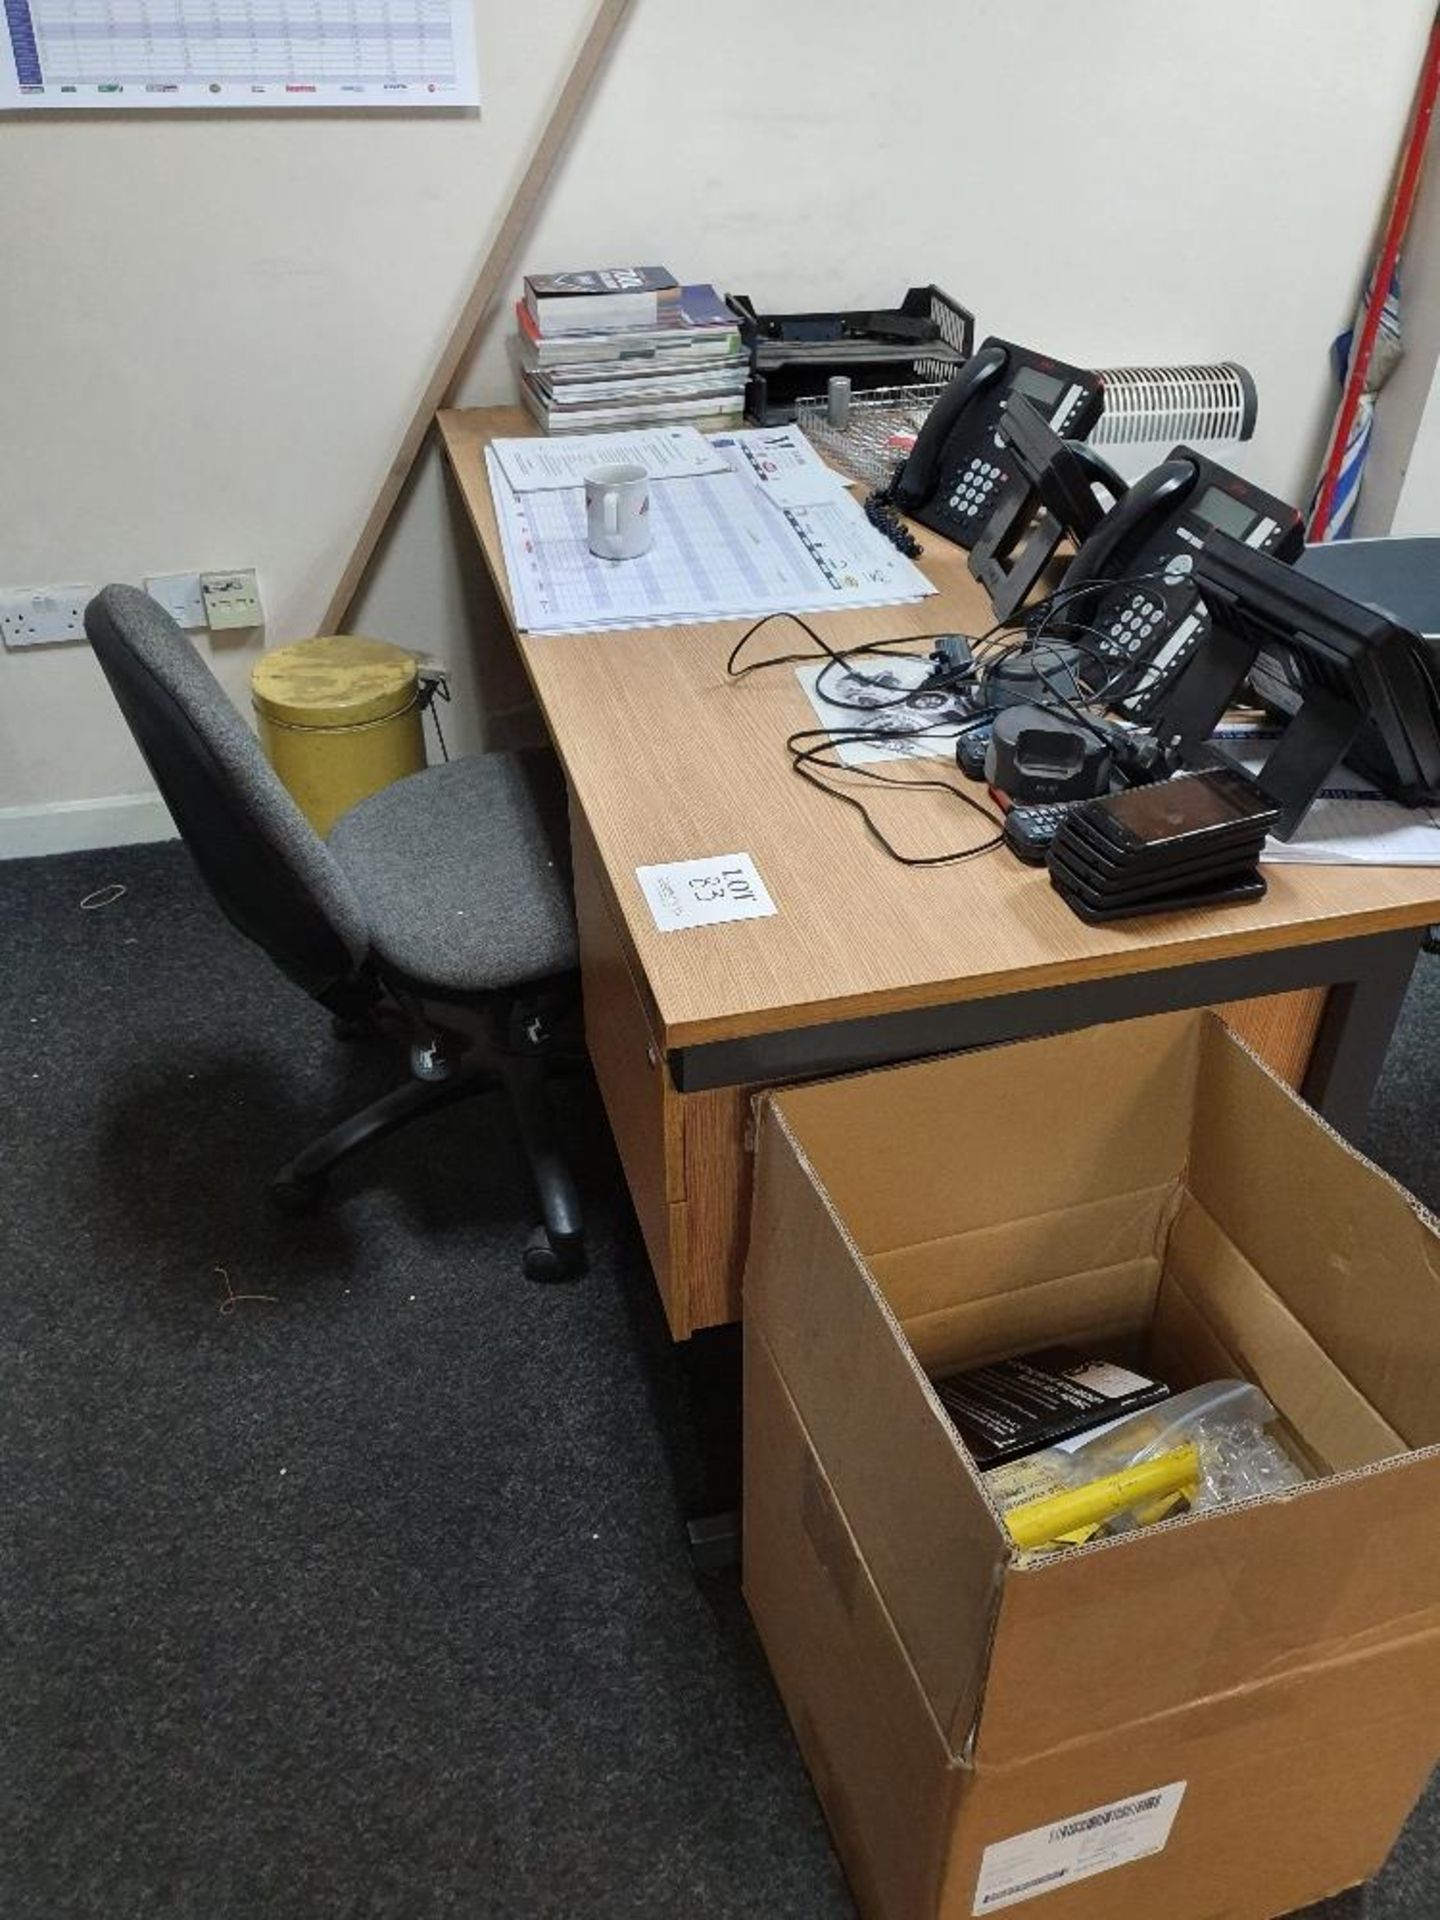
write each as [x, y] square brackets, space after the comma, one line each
[1070, 1850]
[701, 893]
[1111, 1381]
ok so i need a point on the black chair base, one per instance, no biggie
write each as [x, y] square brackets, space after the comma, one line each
[556, 1248]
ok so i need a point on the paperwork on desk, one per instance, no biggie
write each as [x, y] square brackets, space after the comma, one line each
[666, 453]
[783, 465]
[876, 710]
[1355, 826]
[1350, 822]
[773, 532]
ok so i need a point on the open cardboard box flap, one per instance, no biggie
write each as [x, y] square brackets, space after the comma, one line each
[1152, 1188]
[1351, 1255]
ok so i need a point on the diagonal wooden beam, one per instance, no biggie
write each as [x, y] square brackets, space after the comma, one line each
[494, 270]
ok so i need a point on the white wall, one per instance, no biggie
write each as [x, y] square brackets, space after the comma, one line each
[213, 329]
[1417, 504]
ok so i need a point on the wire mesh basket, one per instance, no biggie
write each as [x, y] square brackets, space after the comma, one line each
[880, 431]
[1143, 405]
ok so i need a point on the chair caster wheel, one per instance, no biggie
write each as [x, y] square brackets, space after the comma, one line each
[298, 1193]
[548, 1261]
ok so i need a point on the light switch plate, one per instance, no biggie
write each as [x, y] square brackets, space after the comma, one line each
[231, 600]
[180, 595]
[43, 616]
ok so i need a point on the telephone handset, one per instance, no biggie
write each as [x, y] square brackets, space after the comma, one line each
[1138, 635]
[959, 467]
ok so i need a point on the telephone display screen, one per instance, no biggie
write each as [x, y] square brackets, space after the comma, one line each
[1189, 804]
[1036, 385]
[1223, 510]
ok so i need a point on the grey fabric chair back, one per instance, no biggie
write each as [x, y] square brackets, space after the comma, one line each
[269, 870]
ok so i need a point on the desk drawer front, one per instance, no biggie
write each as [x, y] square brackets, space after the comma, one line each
[643, 1108]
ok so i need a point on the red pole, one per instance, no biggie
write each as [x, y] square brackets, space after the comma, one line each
[1361, 353]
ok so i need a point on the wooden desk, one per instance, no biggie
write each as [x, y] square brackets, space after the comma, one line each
[868, 961]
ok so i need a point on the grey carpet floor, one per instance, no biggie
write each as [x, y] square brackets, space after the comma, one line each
[342, 1572]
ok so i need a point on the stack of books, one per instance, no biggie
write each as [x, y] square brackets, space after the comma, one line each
[622, 347]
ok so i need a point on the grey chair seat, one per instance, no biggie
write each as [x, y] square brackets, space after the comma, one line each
[457, 878]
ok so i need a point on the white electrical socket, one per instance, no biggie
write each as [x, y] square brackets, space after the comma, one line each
[179, 594]
[43, 616]
[231, 599]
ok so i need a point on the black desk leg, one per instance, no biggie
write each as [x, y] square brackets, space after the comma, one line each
[1355, 1030]
[711, 1365]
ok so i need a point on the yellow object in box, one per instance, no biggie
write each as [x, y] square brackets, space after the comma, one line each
[1054, 1516]
[339, 718]
[1034, 1477]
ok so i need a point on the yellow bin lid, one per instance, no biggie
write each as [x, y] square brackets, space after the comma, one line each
[342, 680]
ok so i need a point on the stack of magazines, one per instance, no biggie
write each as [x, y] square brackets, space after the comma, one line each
[618, 347]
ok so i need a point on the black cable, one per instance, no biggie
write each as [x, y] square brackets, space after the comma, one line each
[1024, 633]
[807, 762]
[976, 671]
[1100, 729]
[431, 692]
[1033, 635]
[939, 681]
[1032, 625]
[837, 654]
[1037, 619]
[1121, 675]
[804, 659]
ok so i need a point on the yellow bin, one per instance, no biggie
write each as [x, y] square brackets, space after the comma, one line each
[338, 718]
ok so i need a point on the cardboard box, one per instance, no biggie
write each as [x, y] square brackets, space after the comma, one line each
[1219, 1718]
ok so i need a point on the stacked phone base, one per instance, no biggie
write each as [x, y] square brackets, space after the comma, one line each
[1105, 870]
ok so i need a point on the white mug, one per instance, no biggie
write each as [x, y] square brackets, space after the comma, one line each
[617, 512]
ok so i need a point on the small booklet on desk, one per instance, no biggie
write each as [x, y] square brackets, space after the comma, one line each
[710, 413]
[610, 297]
[697, 326]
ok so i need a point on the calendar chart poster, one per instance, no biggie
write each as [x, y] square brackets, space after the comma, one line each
[98, 54]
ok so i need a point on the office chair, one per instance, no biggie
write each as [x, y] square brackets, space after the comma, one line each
[435, 902]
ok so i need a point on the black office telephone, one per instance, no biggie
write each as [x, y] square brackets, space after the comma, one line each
[1140, 634]
[959, 467]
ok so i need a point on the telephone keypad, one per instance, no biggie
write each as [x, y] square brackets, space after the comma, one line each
[975, 489]
[1030, 826]
[1128, 631]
